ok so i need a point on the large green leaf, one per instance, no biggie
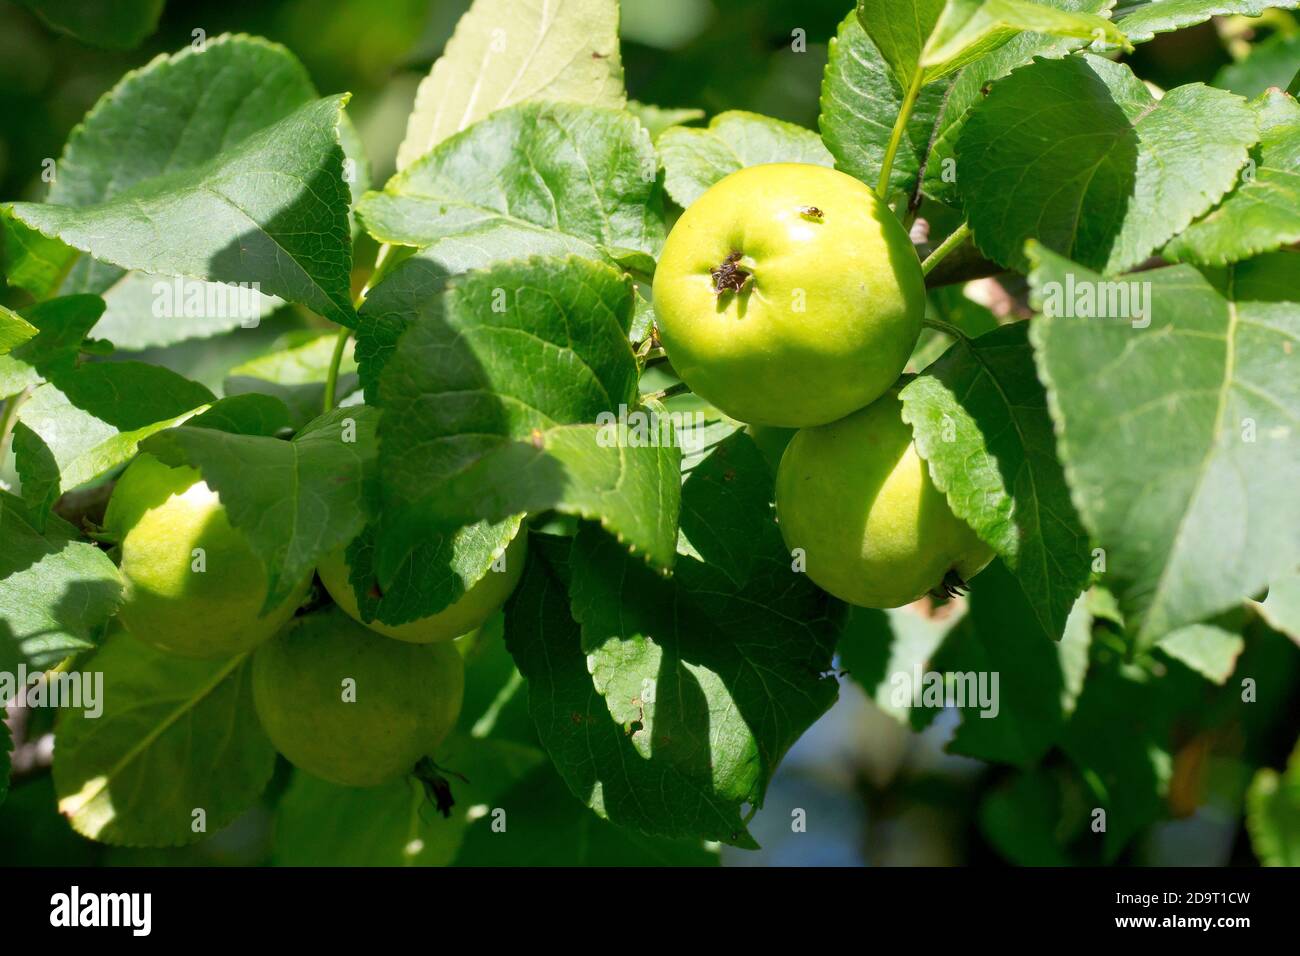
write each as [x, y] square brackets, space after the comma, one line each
[297, 500]
[1105, 173]
[56, 592]
[539, 178]
[296, 374]
[1143, 20]
[860, 99]
[695, 159]
[899, 31]
[504, 356]
[667, 704]
[241, 148]
[979, 418]
[176, 737]
[505, 52]
[1263, 213]
[1210, 519]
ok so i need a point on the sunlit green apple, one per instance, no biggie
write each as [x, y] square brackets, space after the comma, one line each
[858, 499]
[192, 584]
[352, 706]
[789, 295]
[474, 607]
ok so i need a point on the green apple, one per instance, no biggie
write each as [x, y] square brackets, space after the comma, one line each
[193, 584]
[789, 295]
[473, 607]
[858, 499]
[351, 706]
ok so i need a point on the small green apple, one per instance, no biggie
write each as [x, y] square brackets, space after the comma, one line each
[473, 607]
[352, 706]
[858, 499]
[789, 295]
[193, 584]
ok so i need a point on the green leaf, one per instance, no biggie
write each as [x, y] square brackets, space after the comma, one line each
[970, 29]
[504, 53]
[545, 826]
[116, 25]
[1105, 174]
[589, 471]
[406, 295]
[62, 325]
[523, 346]
[437, 572]
[1263, 212]
[1022, 818]
[883, 649]
[1141, 22]
[6, 745]
[860, 99]
[1273, 814]
[241, 148]
[537, 178]
[695, 159]
[979, 418]
[1119, 738]
[900, 31]
[667, 704]
[244, 415]
[296, 500]
[970, 85]
[1211, 649]
[176, 736]
[1208, 521]
[656, 119]
[928, 39]
[1038, 679]
[14, 330]
[1270, 63]
[31, 261]
[322, 824]
[56, 592]
[90, 420]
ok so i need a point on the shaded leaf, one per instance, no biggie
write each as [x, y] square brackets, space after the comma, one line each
[56, 592]
[1141, 22]
[176, 736]
[116, 25]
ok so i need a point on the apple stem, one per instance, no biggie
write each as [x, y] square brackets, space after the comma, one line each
[896, 135]
[681, 388]
[941, 251]
[947, 328]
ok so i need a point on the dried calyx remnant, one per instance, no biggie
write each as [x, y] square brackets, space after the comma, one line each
[951, 586]
[727, 276]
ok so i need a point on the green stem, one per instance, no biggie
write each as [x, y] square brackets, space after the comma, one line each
[947, 328]
[896, 137]
[954, 240]
[681, 388]
[332, 376]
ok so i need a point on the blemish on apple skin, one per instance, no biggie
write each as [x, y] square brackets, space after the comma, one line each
[727, 276]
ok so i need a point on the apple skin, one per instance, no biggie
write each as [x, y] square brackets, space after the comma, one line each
[475, 606]
[858, 499]
[160, 514]
[407, 698]
[755, 354]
